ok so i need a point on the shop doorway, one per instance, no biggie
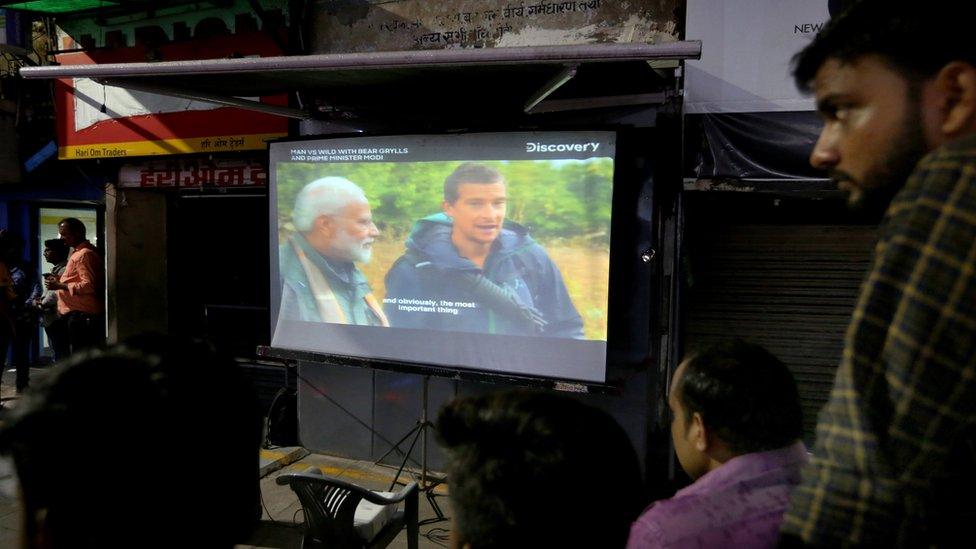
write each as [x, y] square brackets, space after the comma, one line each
[47, 228]
[218, 270]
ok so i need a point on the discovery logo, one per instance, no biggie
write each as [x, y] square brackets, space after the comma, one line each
[561, 147]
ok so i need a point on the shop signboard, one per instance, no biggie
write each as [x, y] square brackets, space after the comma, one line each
[193, 173]
[97, 121]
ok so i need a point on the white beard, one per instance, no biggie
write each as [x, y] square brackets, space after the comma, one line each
[355, 250]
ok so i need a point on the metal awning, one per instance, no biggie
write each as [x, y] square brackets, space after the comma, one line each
[493, 79]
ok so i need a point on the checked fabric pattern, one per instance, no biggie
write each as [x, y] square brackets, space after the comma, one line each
[895, 441]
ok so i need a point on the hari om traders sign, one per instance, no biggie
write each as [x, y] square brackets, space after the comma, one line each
[97, 121]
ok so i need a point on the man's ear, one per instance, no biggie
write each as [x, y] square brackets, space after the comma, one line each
[325, 225]
[956, 83]
[698, 432]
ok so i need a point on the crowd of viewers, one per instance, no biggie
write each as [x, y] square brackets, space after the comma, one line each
[893, 460]
[534, 469]
[68, 302]
[157, 396]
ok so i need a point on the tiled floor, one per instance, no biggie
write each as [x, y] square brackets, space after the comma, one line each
[282, 516]
[10, 520]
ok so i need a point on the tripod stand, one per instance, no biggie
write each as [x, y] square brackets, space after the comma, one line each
[427, 483]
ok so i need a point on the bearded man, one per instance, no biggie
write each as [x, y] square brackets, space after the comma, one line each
[894, 463]
[471, 253]
[320, 281]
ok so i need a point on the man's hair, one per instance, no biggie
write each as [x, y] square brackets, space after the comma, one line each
[539, 470]
[915, 38]
[326, 196]
[74, 225]
[56, 245]
[469, 172]
[104, 445]
[745, 396]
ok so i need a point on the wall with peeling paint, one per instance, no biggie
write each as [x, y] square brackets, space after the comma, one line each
[342, 26]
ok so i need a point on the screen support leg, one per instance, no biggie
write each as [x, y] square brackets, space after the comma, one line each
[427, 483]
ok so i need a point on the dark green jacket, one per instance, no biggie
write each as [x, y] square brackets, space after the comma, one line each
[346, 281]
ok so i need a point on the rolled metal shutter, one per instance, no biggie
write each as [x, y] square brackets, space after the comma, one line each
[790, 288]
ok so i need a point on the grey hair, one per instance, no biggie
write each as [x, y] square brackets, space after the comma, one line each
[324, 196]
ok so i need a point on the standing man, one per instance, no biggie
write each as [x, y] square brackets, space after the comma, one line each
[469, 254]
[895, 458]
[320, 281]
[79, 289]
[55, 253]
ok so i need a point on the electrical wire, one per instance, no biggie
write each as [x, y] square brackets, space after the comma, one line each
[395, 447]
[292, 524]
[374, 432]
[438, 536]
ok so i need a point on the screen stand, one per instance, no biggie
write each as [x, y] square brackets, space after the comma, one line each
[427, 483]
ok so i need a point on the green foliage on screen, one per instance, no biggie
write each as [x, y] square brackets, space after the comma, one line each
[556, 200]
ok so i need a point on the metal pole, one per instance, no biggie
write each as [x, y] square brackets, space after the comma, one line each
[423, 433]
[523, 55]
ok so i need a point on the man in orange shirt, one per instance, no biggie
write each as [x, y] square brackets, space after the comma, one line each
[80, 288]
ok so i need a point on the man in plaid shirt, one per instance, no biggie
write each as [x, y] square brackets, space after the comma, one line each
[894, 462]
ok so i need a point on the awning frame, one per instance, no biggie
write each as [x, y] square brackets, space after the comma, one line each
[570, 57]
[529, 55]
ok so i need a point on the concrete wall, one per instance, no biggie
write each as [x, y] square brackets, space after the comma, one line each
[360, 26]
[135, 230]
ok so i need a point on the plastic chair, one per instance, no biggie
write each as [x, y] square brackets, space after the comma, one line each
[330, 505]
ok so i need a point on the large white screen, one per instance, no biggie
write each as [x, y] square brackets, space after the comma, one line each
[474, 251]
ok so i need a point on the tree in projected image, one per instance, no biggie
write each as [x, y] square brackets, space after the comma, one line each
[556, 200]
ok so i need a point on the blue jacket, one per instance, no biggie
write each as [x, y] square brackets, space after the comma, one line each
[426, 287]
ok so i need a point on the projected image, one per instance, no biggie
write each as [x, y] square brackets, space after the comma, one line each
[512, 247]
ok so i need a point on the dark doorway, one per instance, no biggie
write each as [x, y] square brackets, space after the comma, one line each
[218, 270]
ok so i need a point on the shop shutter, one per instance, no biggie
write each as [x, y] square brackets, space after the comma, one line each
[790, 288]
